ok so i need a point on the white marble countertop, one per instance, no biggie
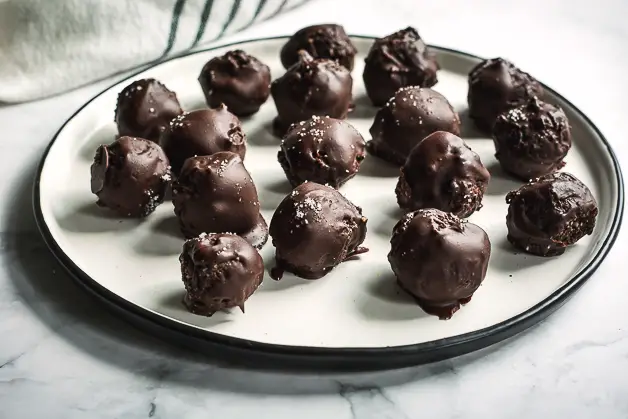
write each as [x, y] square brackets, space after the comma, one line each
[63, 356]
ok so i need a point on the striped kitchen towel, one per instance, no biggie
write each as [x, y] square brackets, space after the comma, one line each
[50, 46]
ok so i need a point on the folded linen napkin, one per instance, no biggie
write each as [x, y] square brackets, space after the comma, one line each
[50, 46]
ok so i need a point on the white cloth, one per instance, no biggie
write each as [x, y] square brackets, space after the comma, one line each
[50, 46]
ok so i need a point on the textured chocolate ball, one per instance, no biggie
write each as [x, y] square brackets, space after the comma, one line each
[314, 229]
[130, 176]
[311, 87]
[215, 194]
[443, 172]
[549, 214]
[322, 150]
[439, 259]
[219, 271]
[202, 133]
[495, 86]
[398, 60]
[237, 79]
[410, 115]
[320, 41]
[532, 139]
[145, 108]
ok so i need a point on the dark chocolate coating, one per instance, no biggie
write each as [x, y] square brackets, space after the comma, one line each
[495, 86]
[550, 213]
[219, 271]
[202, 133]
[311, 87]
[532, 139]
[130, 176]
[215, 194]
[439, 259]
[323, 150]
[398, 60]
[314, 229]
[443, 172]
[145, 108]
[237, 79]
[320, 41]
[410, 115]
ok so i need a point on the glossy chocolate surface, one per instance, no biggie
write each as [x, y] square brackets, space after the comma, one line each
[320, 41]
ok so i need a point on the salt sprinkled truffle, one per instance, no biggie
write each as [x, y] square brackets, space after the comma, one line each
[311, 87]
[201, 133]
[237, 79]
[495, 86]
[323, 150]
[532, 139]
[549, 214]
[443, 172]
[219, 271]
[215, 194]
[130, 176]
[410, 115]
[145, 108]
[314, 229]
[320, 41]
[398, 60]
[439, 259]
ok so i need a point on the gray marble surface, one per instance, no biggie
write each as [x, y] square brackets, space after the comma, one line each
[62, 355]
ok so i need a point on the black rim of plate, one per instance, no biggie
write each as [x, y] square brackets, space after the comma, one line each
[323, 357]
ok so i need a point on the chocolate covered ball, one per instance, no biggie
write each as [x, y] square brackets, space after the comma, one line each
[532, 139]
[219, 271]
[145, 108]
[130, 176]
[443, 172]
[398, 60]
[439, 259]
[202, 133]
[311, 87]
[550, 213]
[410, 115]
[495, 86]
[320, 41]
[237, 79]
[215, 194]
[323, 150]
[314, 229]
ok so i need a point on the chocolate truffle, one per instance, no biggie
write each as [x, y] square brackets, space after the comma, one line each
[532, 139]
[443, 172]
[323, 150]
[550, 213]
[145, 108]
[310, 87]
[496, 85]
[237, 79]
[320, 41]
[219, 271]
[398, 60]
[130, 176]
[215, 194]
[439, 259]
[201, 133]
[410, 115]
[314, 229]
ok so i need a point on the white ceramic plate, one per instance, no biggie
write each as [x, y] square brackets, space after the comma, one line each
[356, 312]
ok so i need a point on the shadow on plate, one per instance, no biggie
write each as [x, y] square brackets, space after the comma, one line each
[364, 109]
[273, 193]
[263, 136]
[288, 281]
[468, 130]
[166, 239]
[172, 305]
[500, 183]
[387, 301]
[106, 134]
[510, 259]
[375, 167]
[90, 218]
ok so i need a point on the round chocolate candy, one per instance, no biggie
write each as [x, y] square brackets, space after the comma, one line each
[439, 259]
[323, 150]
[237, 79]
[219, 271]
[314, 229]
[320, 41]
[145, 108]
[550, 213]
[410, 115]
